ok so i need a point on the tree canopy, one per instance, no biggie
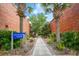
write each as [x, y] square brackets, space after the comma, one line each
[39, 24]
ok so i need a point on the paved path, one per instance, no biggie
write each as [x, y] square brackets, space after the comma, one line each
[40, 48]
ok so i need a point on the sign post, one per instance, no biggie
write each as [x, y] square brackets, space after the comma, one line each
[15, 36]
[12, 40]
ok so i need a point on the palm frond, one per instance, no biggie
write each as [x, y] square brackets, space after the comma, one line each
[47, 7]
[30, 9]
[65, 5]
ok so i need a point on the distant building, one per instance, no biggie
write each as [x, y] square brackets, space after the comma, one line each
[69, 21]
[10, 20]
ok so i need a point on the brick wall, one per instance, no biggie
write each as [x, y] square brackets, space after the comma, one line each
[10, 20]
[69, 21]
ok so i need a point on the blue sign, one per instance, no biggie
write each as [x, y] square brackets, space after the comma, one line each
[18, 35]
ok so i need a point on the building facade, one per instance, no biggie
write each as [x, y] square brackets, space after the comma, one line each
[69, 21]
[10, 20]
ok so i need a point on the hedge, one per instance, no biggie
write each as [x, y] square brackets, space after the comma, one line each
[5, 40]
[68, 40]
[71, 40]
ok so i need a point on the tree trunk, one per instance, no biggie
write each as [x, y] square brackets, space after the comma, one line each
[21, 24]
[57, 30]
[21, 29]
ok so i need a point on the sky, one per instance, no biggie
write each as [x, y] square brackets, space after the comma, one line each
[37, 10]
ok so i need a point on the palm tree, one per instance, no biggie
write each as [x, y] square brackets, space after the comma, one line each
[57, 11]
[21, 8]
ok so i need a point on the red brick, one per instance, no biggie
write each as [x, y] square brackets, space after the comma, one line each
[8, 16]
[69, 21]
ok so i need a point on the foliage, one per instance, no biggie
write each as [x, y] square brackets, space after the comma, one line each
[17, 43]
[28, 37]
[5, 40]
[45, 30]
[60, 45]
[51, 38]
[38, 22]
[71, 40]
[22, 8]
[30, 9]
[56, 9]
[34, 21]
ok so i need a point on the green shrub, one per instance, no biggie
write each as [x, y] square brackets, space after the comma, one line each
[28, 37]
[71, 40]
[49, 41]
[60, 45]
[17, 43]
[5, 40]
[51, 38]
[68, 40]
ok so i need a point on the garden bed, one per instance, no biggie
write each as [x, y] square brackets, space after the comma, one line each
[25, 50]
[58, 52]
